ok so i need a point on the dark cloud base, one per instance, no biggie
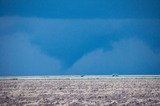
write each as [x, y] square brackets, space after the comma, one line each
[38, 46]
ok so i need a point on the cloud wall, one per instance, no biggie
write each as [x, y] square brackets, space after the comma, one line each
[19, 56]
[127, 56]
[63, 46]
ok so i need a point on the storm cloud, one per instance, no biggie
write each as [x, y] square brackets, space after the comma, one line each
[19, 56]
[128, 55]
[63, 45]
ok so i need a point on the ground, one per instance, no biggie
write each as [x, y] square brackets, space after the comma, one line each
[81, 92]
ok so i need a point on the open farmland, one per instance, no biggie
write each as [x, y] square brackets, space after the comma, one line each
[85, 91]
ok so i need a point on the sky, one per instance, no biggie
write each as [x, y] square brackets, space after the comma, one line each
[79, 37]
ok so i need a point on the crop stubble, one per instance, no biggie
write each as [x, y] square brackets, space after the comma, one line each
[98, 92]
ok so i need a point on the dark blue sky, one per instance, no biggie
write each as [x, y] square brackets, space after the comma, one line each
[81, 9]
[57, 37]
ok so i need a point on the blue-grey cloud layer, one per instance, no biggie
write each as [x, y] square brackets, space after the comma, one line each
[129, 56]
[19, 57]
[63, 44]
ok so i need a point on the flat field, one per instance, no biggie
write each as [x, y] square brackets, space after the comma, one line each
[80, 91]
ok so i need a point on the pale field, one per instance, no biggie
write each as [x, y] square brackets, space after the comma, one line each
[81, 92]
